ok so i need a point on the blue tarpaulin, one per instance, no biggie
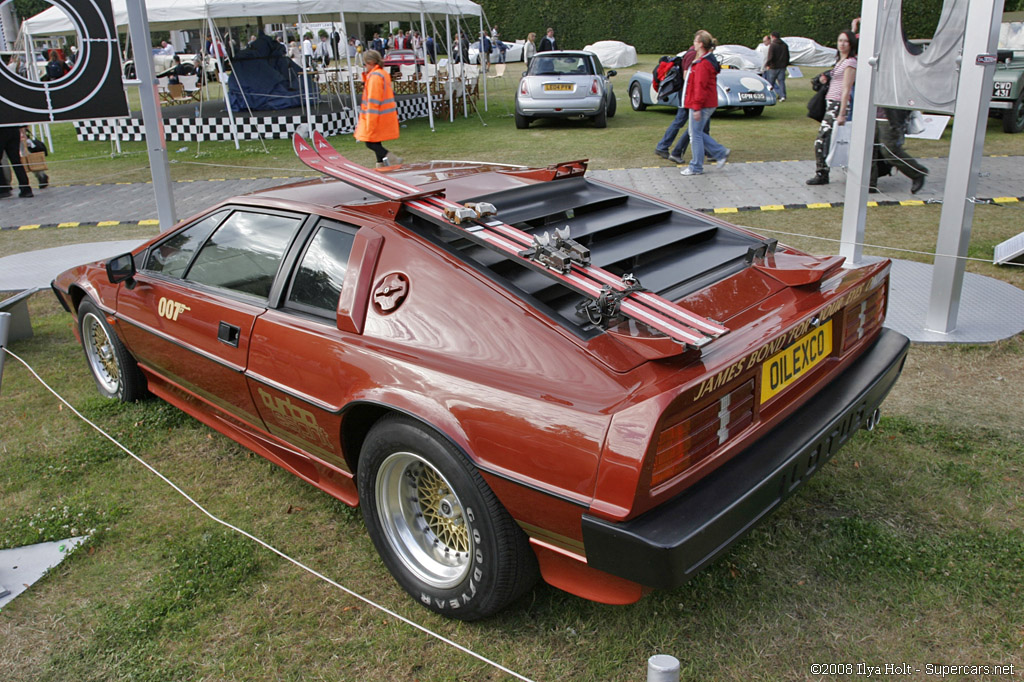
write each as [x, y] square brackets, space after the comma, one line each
[269, 79]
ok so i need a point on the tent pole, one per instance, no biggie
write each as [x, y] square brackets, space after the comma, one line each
[348, 61]
[450, 69]
[305, 84]
[465, 78]
[485, 58]
[156, 144]
[423, 46]
[224, 78]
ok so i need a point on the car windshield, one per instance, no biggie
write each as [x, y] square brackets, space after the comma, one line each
[566, 65]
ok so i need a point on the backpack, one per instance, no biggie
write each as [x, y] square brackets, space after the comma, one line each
[668, 76]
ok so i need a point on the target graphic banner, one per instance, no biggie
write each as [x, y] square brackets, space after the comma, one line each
[91, 89]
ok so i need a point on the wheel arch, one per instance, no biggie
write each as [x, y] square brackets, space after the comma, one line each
[360, 416]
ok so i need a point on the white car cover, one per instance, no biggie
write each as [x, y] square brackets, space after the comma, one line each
[806, 52]
[739, 57]
[613, 54]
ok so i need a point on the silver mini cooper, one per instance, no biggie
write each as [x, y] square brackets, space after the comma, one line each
[565, 84]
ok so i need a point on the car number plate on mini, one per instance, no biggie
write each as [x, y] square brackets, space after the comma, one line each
[558, 87]
[752, 97]
[1001, 90]
[791, 363]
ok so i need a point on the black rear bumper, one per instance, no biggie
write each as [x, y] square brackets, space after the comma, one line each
[666, 546]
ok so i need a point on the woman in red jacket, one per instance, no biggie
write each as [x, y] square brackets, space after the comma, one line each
[701, 98]
[378, 113]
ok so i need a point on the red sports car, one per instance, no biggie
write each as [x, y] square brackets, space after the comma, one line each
[512, 370]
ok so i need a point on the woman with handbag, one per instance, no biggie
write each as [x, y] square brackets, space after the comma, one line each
[837, 102]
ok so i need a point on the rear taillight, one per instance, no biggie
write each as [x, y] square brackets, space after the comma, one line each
[522, 87]
[693, 437]
[595, 87]
[865, 317]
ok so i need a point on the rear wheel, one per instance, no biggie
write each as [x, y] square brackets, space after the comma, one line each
[636, 98]
[437, 526]
[753, 111]
[1013, 118]
[522, 122]
[114, 369]
[601, 119]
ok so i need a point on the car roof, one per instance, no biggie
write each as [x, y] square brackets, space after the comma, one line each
[567, 53]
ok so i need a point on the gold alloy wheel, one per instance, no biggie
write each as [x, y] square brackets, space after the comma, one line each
[99, 349]
[423, 520]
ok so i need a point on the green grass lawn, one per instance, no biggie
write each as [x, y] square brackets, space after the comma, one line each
[907, 548]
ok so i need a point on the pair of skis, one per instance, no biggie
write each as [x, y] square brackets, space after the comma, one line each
[559, 257]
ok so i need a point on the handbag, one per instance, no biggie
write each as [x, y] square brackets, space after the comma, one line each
[816, 105]
[35, 162]
[839, 148]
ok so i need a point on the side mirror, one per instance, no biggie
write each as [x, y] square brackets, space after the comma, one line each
[121, 268]
[612, 73]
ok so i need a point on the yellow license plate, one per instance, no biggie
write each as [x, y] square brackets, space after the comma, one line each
[548, 87]
[788, 365]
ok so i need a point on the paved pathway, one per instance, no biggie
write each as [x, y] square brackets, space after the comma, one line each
[734, 186]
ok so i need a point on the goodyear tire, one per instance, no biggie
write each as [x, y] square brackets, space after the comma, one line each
[438, 528]
[116, 373]
[1013, 118]
[636, 98]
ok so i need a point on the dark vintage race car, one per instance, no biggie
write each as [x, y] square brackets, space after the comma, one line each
[610, 404]
[737, 89]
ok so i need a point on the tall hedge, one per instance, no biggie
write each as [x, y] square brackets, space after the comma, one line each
[665, 26]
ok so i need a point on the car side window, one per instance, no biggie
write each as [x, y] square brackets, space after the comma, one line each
[173, 255]
[321, 271]
[245, 252]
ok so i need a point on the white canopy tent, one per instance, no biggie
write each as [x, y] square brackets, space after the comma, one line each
[191, 14]
[203, 14]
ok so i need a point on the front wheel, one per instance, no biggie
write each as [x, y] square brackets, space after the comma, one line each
[114, 369]
[1013, 119]
[438, 528]
[636, 98]
[612, 105]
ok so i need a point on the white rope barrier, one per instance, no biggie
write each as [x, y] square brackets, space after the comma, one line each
[351, 593]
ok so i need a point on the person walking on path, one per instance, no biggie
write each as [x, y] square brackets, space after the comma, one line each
[775, 65]
[378, 113]
[682, 114]
[890, 129]
[10, 144]
[837, 102]
[701, 98]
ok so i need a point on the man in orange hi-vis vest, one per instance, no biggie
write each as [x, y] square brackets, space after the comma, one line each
[378, 114]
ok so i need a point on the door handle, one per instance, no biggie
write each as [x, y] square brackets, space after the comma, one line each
[228, 333]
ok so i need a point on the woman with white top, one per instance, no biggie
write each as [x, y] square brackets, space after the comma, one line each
[837, 102]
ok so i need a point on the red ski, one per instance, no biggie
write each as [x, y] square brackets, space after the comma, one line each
[559, 257]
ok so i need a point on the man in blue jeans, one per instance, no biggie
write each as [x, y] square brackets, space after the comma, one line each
[775, 65]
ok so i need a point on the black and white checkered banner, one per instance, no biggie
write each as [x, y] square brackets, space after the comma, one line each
[269, 126]
[91, 89]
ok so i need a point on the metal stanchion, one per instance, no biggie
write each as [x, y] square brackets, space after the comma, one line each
[5, 327]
